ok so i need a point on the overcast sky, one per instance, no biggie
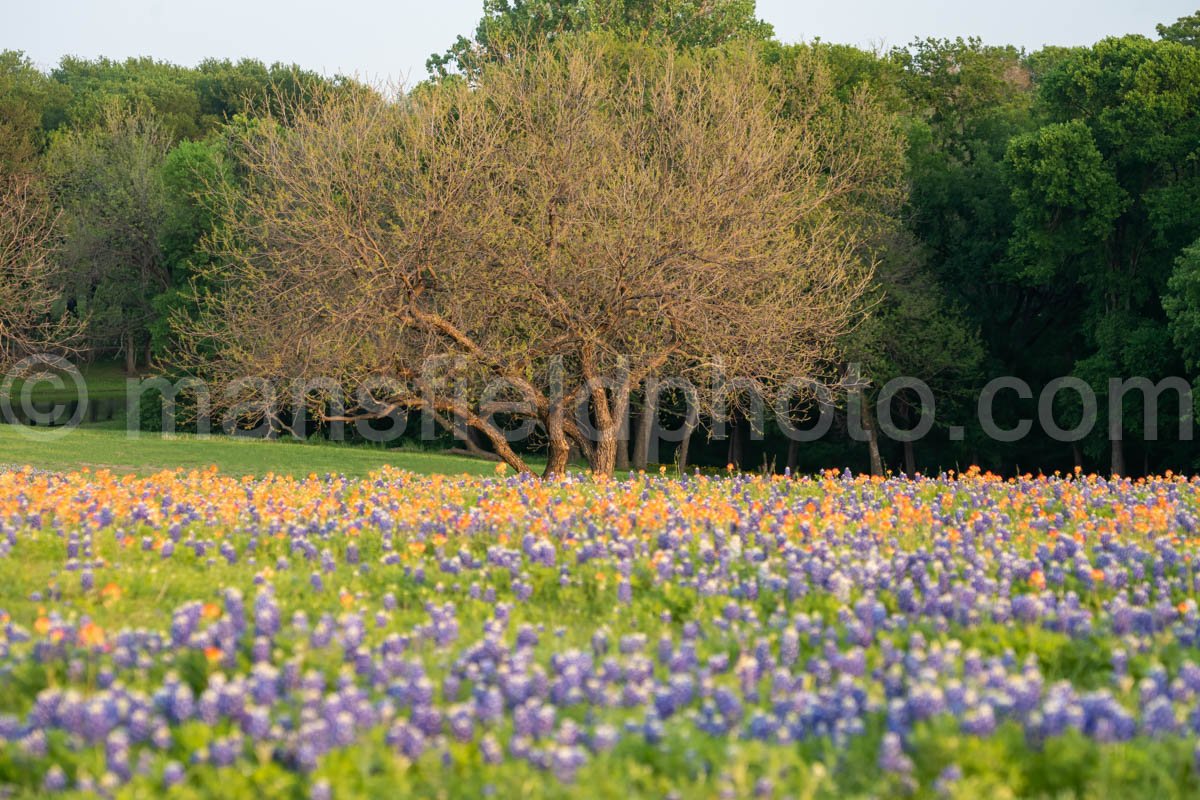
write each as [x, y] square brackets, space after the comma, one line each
[382, 40]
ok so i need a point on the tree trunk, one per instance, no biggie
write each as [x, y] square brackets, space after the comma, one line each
[909, 447]
[621, 461]
[612, 418]
[1118, 457]
[735, 442]
[494, 435]
[1077, 454]
[559, 451]
[130, 355]
[645, 443]
[910, 459]
[472, 440]
[505, 451]
[622, 456]
[608, 432]
[681, 455]
[473, 443]
[868, 424]
[793, 454]
[604, 456]
[557, 458]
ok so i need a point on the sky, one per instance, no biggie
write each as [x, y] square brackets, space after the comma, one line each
[387, 41]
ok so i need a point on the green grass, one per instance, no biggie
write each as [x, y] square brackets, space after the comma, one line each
[104, 379]
[105, 444]
[97, 448]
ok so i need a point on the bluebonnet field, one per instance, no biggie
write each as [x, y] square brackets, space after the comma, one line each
[650, 637]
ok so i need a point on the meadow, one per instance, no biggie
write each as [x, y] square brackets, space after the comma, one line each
[707, 636]
[685, 219]
[105, 443]
[99, 448]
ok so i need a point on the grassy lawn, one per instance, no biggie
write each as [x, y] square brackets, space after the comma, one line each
[111, 449]
[105, 379]
[106, 445]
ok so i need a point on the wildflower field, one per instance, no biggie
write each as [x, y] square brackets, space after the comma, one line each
[736, 636]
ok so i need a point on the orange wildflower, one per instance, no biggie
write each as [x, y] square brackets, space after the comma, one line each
[91, 635]
[111, 593]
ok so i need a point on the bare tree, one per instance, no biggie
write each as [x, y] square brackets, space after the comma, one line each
[28, 322]
[578, 218]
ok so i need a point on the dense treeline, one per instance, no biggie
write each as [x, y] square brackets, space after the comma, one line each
[1034, 215]
[125, 149]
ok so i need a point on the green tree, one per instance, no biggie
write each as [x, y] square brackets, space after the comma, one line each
[28, 102]
[686, 23]
[1185, 30]
[138, 85]
[1182, 304]
[226, 89]
[968, 100]
[189, 173]
[1067, 200]
[190, 103]
[961, 102]
[1107, 196]
[910, 330]
[109, 183]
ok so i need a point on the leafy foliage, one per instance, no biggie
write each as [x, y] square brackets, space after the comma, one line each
[509, 24]
[1031, 215]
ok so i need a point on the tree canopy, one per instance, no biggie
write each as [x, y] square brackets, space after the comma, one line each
[952, 209]
[641, 213]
